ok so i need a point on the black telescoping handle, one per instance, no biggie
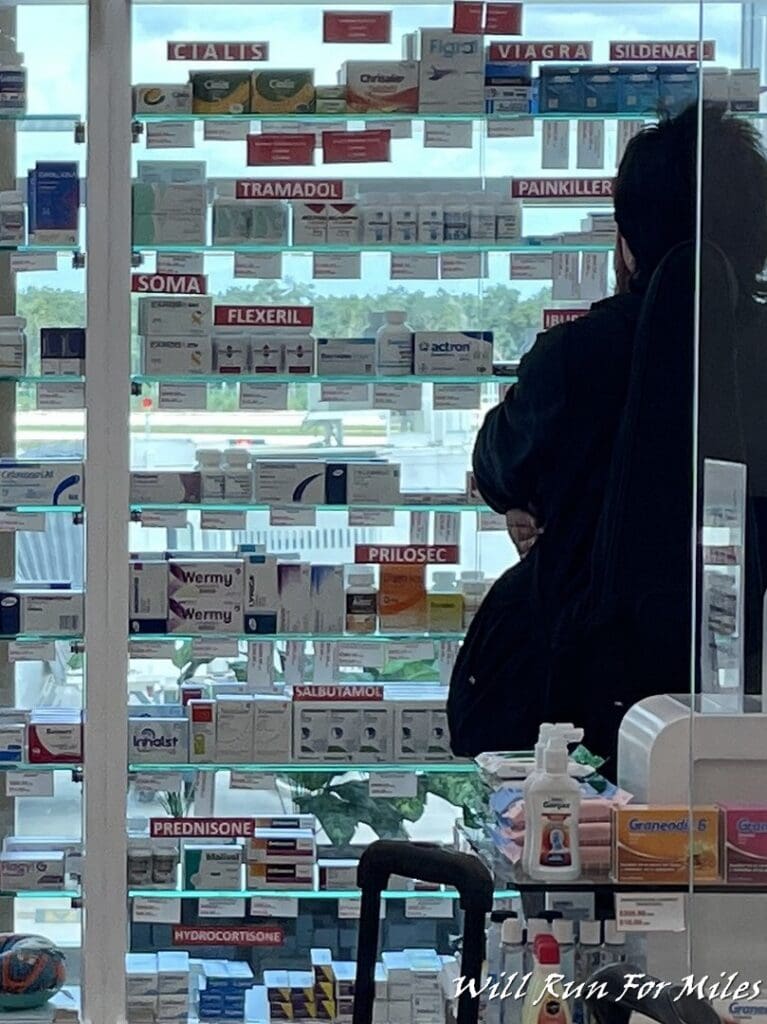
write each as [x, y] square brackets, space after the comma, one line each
[425, 863]
[612, 996]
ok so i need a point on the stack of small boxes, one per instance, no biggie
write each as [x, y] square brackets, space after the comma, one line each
[223, 987]
[157, 987]
[281, 858]
[295, 995]
[176, 337]
[170, 204]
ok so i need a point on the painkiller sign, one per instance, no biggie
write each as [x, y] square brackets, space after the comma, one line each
[561, 188]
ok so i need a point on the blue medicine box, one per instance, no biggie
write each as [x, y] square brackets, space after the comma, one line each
[54, 202]
[508, 87]
[678, 86]
[600, 88]
[561, 89]
[10, 613]
[638, 89]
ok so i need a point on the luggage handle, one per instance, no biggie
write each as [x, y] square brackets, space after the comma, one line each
[424, 862]
[612, 1004]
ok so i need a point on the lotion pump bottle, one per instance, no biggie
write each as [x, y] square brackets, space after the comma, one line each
[543, 1003]
[540, 747]
[551, 817]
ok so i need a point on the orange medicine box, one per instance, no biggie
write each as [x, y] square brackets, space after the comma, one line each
[652, 844]
[402, 597]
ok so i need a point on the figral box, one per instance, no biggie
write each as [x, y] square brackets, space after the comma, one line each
[452, 72]
[652, 844]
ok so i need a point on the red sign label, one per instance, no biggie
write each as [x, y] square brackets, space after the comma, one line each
[659, 51]
[319, 692]
[227, 935]
[208, 828]
[285, 150]
[552, 317]
[514, 51]
[407, 554]
[170, 284]
[467, 16]
[217, 51]
[562, 188]
[356, 26]
[263, 316]
[356, 147]
[288, 188]
[503, 18]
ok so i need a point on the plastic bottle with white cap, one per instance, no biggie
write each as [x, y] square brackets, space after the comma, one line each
[563, 932]
[614, 948]
[551, 814]
[588, 958]
[512, 971]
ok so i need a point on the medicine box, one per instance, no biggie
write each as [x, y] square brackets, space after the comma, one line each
[327, 599]
[20, 871]
[272, 728]
[346, 356]
[53, 195]
[13, 85]
[420, 731]
[299, 355]
[235, 724]
[343, 223]
[744, 830]
[55, 737]
[281, 846]
[177, 316]
[52, 612]
[41, 483]
[508, 87]
[62, 350]
[170, 228]
[160, 198]
[402, 598]
[322, 966]
[451, 72]
[158, 740]
[294, 606]
[165, 486]
[310, 223]
[342, 731]
[280, 483]
[239, 221]
[744, 89]
[13, 742]
[162, 99]
[201, 715]
[561, 89]
[220, 91]
[638, 89]
[10, 613]
[453, 353]
[276, 876]
[383, 85]
[282, 91]
[261, 596]
[205, 596]
[677, 86]
[148, 596]
[337, 874]
[163, 355]
[652, 844]
[600, 85]
[231, 352]
[351, 483]
[171, 172]
[212, 866]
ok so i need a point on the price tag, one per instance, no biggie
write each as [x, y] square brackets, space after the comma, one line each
[555, 152]
[325, 663]
[20, 784]
[22, 522]
[370, 146]
[414, 268]
[566, 279]
[651, 912]
[448, 134]
[457, 396]
[182, 396]
[23, 262]
[339, 266]
[593, 276]
[295, 662]
[345, 393]
[252, 780]
[446, 659]
[499, 128]
[349, 909]
[271, 906]
[158, 782]
[468, 16]
[207, 650]
[455, 266]
[152, 910]
[274, 149]
[272, 397]
[225, 131]
[390, 785]
[265, 266]
[397, 129]
[260, 666]
[591, 145]
[361, 655]
[489, 522]
[447, 527]
[626, 131]
[531, 267]
[32, 650]
[503, 19]
[410, 650]
[150, 649]
[371, 517]
[356, 26]
[170, 135]
[165, 520]
[61, 396]
[399, 397]
[419, 527]
[292, 515]
[208, 907]
[223, 520]
[180, 262]
[425, 907]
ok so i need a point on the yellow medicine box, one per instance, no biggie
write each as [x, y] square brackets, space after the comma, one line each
[282, 91]
[652, 844]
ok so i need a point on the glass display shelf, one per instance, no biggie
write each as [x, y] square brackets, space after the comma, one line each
[369, 638]
[297, 378]
[377, 115]
[39, 249]
[378, 506]
[26, 122]
[44, 637]
[52, 378]
[31, 509]
[27, 766]
[287, 894]
[522, 246]
[334, 768]
[41, 894]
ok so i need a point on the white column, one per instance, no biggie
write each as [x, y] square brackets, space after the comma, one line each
[106, 609]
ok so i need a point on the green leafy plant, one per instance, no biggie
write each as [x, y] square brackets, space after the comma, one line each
[177, 804]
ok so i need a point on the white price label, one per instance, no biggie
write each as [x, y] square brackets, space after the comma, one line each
[158, 782]
[170, 135]
[371, 517]
[446, 659]
[500, 128]
[172, 519]
[398, 129]
[207, 907]
[399, 397]
[349, 910]
[594, 269]
[225, 131]
[22, 522]
[295, 662]
[325, 663]
[410, 650]
[223, 520]
[457, 396]
[252, 780]
[183, 396]
[361, 655]
[273, 906]
[265, 266]
[566, 276]
[447, 527]
[209, 649]
[414, 268]
[150, 649]
[260, 666]
[419, 527]
[29, 784]
[23, 262]
[531, 267]
[180, 263]
[61, 396]
[459, 266]
[490, 522]
[425, 907]
[591, 145]
[390, 785]
[555, 154]
[345, 393]
[338, 266]
[448, 134]
[626, 132]
[292, 515]
[153, 910]
[651, 912]
[31, 650]
[271, 397]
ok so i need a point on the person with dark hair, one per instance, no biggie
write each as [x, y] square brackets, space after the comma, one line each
[566, 407]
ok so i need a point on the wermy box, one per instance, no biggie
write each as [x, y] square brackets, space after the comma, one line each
[220, 91]
[201, 715]
[453, 353]
[162, 99]
[282, 91]
[177, 316]
[158, 740]
[163, 355]
[279, 483]
[148, 596]
[652, 844]
[204, 595]
[212, 866]
[41, 483]
[62, 350]
[745, 843]
[165, 486]
[327, 598]
[20, 871]
[52, 612]
[451, 73]
[352, 483]
[342, 356]
[294, 608]
[402, 597]
[53, 195]
[383, 85]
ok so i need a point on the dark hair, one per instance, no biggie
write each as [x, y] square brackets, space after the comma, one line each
[655, 192]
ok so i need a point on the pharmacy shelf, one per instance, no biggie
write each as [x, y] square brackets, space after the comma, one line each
[431, 768]
[38, 248]
[40, 122]
[373, 115]
[26, 766]
[301, 894]
[33, 379]
[354, 638]
[527, 245]
[42, 637]
[72, 510]
[41, 894]
[421, 506]
[305, 379]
